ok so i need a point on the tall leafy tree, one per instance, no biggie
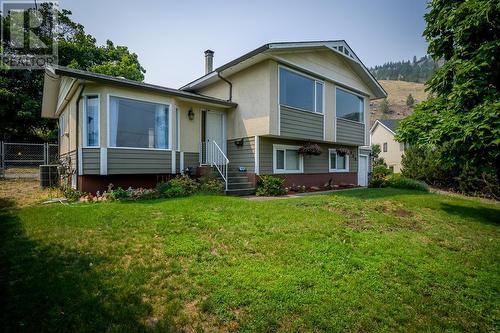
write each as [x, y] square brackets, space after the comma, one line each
[21, 90]
[462, 119]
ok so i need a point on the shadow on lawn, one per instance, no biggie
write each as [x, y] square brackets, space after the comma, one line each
[481, 214]
[50, 288]
[377, 193]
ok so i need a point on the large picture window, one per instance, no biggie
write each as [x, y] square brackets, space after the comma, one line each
[138, 124]
[287, 159]
[349, 106]
[91, 121]
[300, 91]
[338, 162]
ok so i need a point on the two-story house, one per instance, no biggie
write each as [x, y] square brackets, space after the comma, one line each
[382, 133]
[246, 118]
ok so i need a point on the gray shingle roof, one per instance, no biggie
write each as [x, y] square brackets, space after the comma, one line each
[392, 124]
[61, 70]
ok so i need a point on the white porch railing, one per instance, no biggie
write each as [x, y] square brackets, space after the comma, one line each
[212, 154]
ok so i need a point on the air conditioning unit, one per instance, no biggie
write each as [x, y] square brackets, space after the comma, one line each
[49, 176]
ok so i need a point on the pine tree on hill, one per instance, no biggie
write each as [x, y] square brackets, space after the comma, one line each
[413, 71]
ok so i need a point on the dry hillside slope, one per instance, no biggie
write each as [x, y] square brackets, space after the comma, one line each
[397, 92]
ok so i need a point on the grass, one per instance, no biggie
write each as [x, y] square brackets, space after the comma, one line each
[359, 260]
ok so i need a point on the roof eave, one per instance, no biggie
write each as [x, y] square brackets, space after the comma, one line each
[133, 84]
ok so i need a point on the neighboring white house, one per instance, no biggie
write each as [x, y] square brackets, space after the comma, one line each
[382, 133]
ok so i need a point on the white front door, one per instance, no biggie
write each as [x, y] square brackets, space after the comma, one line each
[214, 132]
[363, 170]
[215, 128]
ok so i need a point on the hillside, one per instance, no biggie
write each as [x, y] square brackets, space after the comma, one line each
[397, 92]
[419, 70]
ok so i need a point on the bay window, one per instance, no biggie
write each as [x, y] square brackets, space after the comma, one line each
[349, 106]
[286, 159]
[91, 121]
[138, 124]
[300, 91]
[338, 161]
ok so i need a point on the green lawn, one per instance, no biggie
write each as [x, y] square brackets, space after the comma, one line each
[361, 260]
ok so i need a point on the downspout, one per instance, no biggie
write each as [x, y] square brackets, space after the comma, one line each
[230, 86]
[78, 129]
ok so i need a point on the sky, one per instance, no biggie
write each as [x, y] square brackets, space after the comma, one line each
[170, 37]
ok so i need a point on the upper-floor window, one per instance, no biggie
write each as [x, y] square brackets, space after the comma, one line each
[349, 106]
[91, 121]
[384, 147]
[138, 124]
[300, 91]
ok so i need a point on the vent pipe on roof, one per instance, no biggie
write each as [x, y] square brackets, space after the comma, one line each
[209, 61]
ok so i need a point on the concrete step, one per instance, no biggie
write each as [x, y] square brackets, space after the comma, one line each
[242, 185]
[237, 179]
[240, 191]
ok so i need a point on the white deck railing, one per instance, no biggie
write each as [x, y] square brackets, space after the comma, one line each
[212, 154]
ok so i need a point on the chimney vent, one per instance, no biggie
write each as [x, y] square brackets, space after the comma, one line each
[209, 61]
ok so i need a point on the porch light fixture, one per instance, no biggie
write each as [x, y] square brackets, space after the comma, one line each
[190, 114]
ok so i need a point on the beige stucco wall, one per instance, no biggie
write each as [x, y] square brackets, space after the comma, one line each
[67, 142]
[255, 89]
[251, 90]
[328, 64]
[393, 155]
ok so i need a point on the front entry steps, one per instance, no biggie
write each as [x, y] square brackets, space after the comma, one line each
[238, 184]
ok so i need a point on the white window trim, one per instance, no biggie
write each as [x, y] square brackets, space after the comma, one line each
[284, 171]
[362, 105]
[316, 80]
[98, 120]
[170, 112]
[177, 129]
[334, 151]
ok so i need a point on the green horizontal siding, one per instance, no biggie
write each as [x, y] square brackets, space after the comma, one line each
[312, 164]
[138, 161]
[242, 156]
[301, 124]
[349, 132]
[91, 163]
[191, 160]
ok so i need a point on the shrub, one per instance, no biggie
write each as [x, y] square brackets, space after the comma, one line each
[71, 194]
[142, 194]
[214, 186]
[396, 181]
[270, 186]
[178, 187]
[117, 194]
[379, 175]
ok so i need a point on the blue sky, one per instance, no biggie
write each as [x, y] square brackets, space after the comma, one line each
[170, 36]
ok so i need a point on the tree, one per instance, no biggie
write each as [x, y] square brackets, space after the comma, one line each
[21, 90]
[462, 118]
[377, 160]
[384, 106]
[410, 101]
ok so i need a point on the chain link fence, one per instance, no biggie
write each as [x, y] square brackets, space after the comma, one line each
[21, 160]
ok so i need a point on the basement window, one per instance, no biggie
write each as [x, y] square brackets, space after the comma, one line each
[338, 162]
[286, 159]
